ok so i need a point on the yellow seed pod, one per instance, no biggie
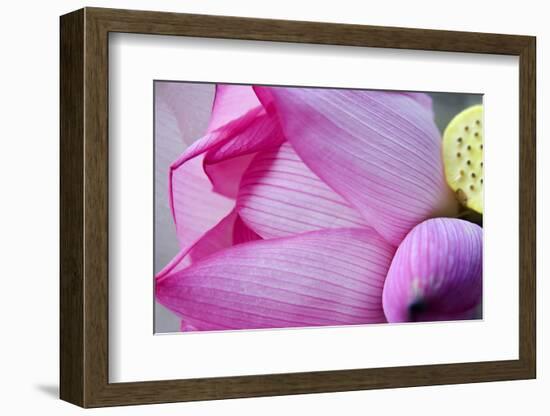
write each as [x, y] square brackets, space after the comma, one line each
[463, 157]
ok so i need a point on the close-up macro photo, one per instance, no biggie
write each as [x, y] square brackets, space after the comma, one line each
[280, 207]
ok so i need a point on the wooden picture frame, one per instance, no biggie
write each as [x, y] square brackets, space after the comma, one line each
[84, 207]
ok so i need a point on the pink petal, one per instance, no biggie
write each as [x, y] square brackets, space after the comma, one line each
[185, 327]
[242, 232]
[218, 237]
[231, 102]
[217, 138]
[215, 239]
[423, 99]
[436, 273]
[380, 150]
[280, 196]
[226, 176]
[243, 136]
[179, 262]
[228, 232]
[234, 109]
[195, 206]
[226, 163]
[231, 230]
[263, 132]
[329, 277]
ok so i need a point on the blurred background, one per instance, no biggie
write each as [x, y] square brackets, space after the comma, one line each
[193, 103]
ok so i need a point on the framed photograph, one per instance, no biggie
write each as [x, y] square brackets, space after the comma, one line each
[257, 207]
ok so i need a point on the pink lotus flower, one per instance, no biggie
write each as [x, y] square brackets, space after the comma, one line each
[306, 207]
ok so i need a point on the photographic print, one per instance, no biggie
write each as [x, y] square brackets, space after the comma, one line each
[269, 208]
[294, 207]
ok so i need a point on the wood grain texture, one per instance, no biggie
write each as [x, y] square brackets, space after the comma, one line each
[71, 203]
[84, 207]
[527, 208]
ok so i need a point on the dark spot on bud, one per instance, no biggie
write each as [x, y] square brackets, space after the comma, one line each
[416, 308]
